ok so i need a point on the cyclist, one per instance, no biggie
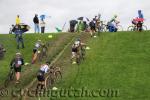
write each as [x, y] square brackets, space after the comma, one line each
[17, 63]
[77, 49]
[92, 25]
[112, 24]
[36, 51]
[74, 51]
[41, 75]
[140, 20]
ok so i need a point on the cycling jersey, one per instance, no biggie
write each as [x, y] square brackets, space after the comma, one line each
[74, 49]
[44, 68]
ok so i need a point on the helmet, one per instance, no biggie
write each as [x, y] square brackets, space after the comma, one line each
[47, 62]
[139, 11]
[115, 16]
[78, 39]
[18, 54]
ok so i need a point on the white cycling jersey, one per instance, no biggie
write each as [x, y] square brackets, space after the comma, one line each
[37, 45]
[44, 68]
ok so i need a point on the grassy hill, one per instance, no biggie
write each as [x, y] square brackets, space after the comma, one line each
[117, 62]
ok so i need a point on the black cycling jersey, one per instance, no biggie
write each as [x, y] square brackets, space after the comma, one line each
[75, 49]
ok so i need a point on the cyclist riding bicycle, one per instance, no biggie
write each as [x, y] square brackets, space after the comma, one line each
[17, 63]
[138, 21]
[112, 24]
[41, 75]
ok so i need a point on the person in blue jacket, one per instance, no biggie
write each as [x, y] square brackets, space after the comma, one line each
[18, 36]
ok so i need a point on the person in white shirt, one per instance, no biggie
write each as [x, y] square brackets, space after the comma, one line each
[41, 74]
[42, 24]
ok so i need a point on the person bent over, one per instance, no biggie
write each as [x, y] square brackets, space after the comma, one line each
[41, 75]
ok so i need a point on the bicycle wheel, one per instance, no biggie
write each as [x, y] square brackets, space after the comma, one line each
[83, 54]
[10, 78]
[103, 28]
[120, 28]
[78, 60]
[130, 28]
[144, 27]
[58, 76]
[48, 81]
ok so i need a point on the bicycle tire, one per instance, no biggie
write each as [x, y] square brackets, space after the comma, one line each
[120, 28]
[103, 28]
[58, 76]
[130, 28]
[144, 27]
[10, 78]
[48, 82]
[83, 52]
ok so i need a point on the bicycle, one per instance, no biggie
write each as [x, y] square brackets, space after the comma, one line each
[134, 28]
[43, 52]
[40, 53]
[10, 77]
[81, 54]
[54, 75]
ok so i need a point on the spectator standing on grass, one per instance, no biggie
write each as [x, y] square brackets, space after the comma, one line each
[36, 24]
[18, 20]
[19, 37]
[42, 24]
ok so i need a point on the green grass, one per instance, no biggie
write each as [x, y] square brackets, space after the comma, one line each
[9, 43]
[117, 61]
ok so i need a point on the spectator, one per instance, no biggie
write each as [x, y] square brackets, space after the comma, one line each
[36, 24]
[17, 20]
[19, 37]
[42, 24]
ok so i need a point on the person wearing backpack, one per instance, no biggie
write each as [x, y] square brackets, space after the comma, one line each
[17, 63]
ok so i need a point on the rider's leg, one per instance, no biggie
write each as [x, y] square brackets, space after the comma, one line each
[17, 77]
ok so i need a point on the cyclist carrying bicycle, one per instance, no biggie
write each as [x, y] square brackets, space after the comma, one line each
[36, 51]
[17, 63]
[76, 48]
[41, 75]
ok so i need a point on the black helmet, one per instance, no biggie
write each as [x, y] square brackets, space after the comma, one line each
[48, 62]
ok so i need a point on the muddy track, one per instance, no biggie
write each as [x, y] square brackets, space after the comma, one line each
[33, 83]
